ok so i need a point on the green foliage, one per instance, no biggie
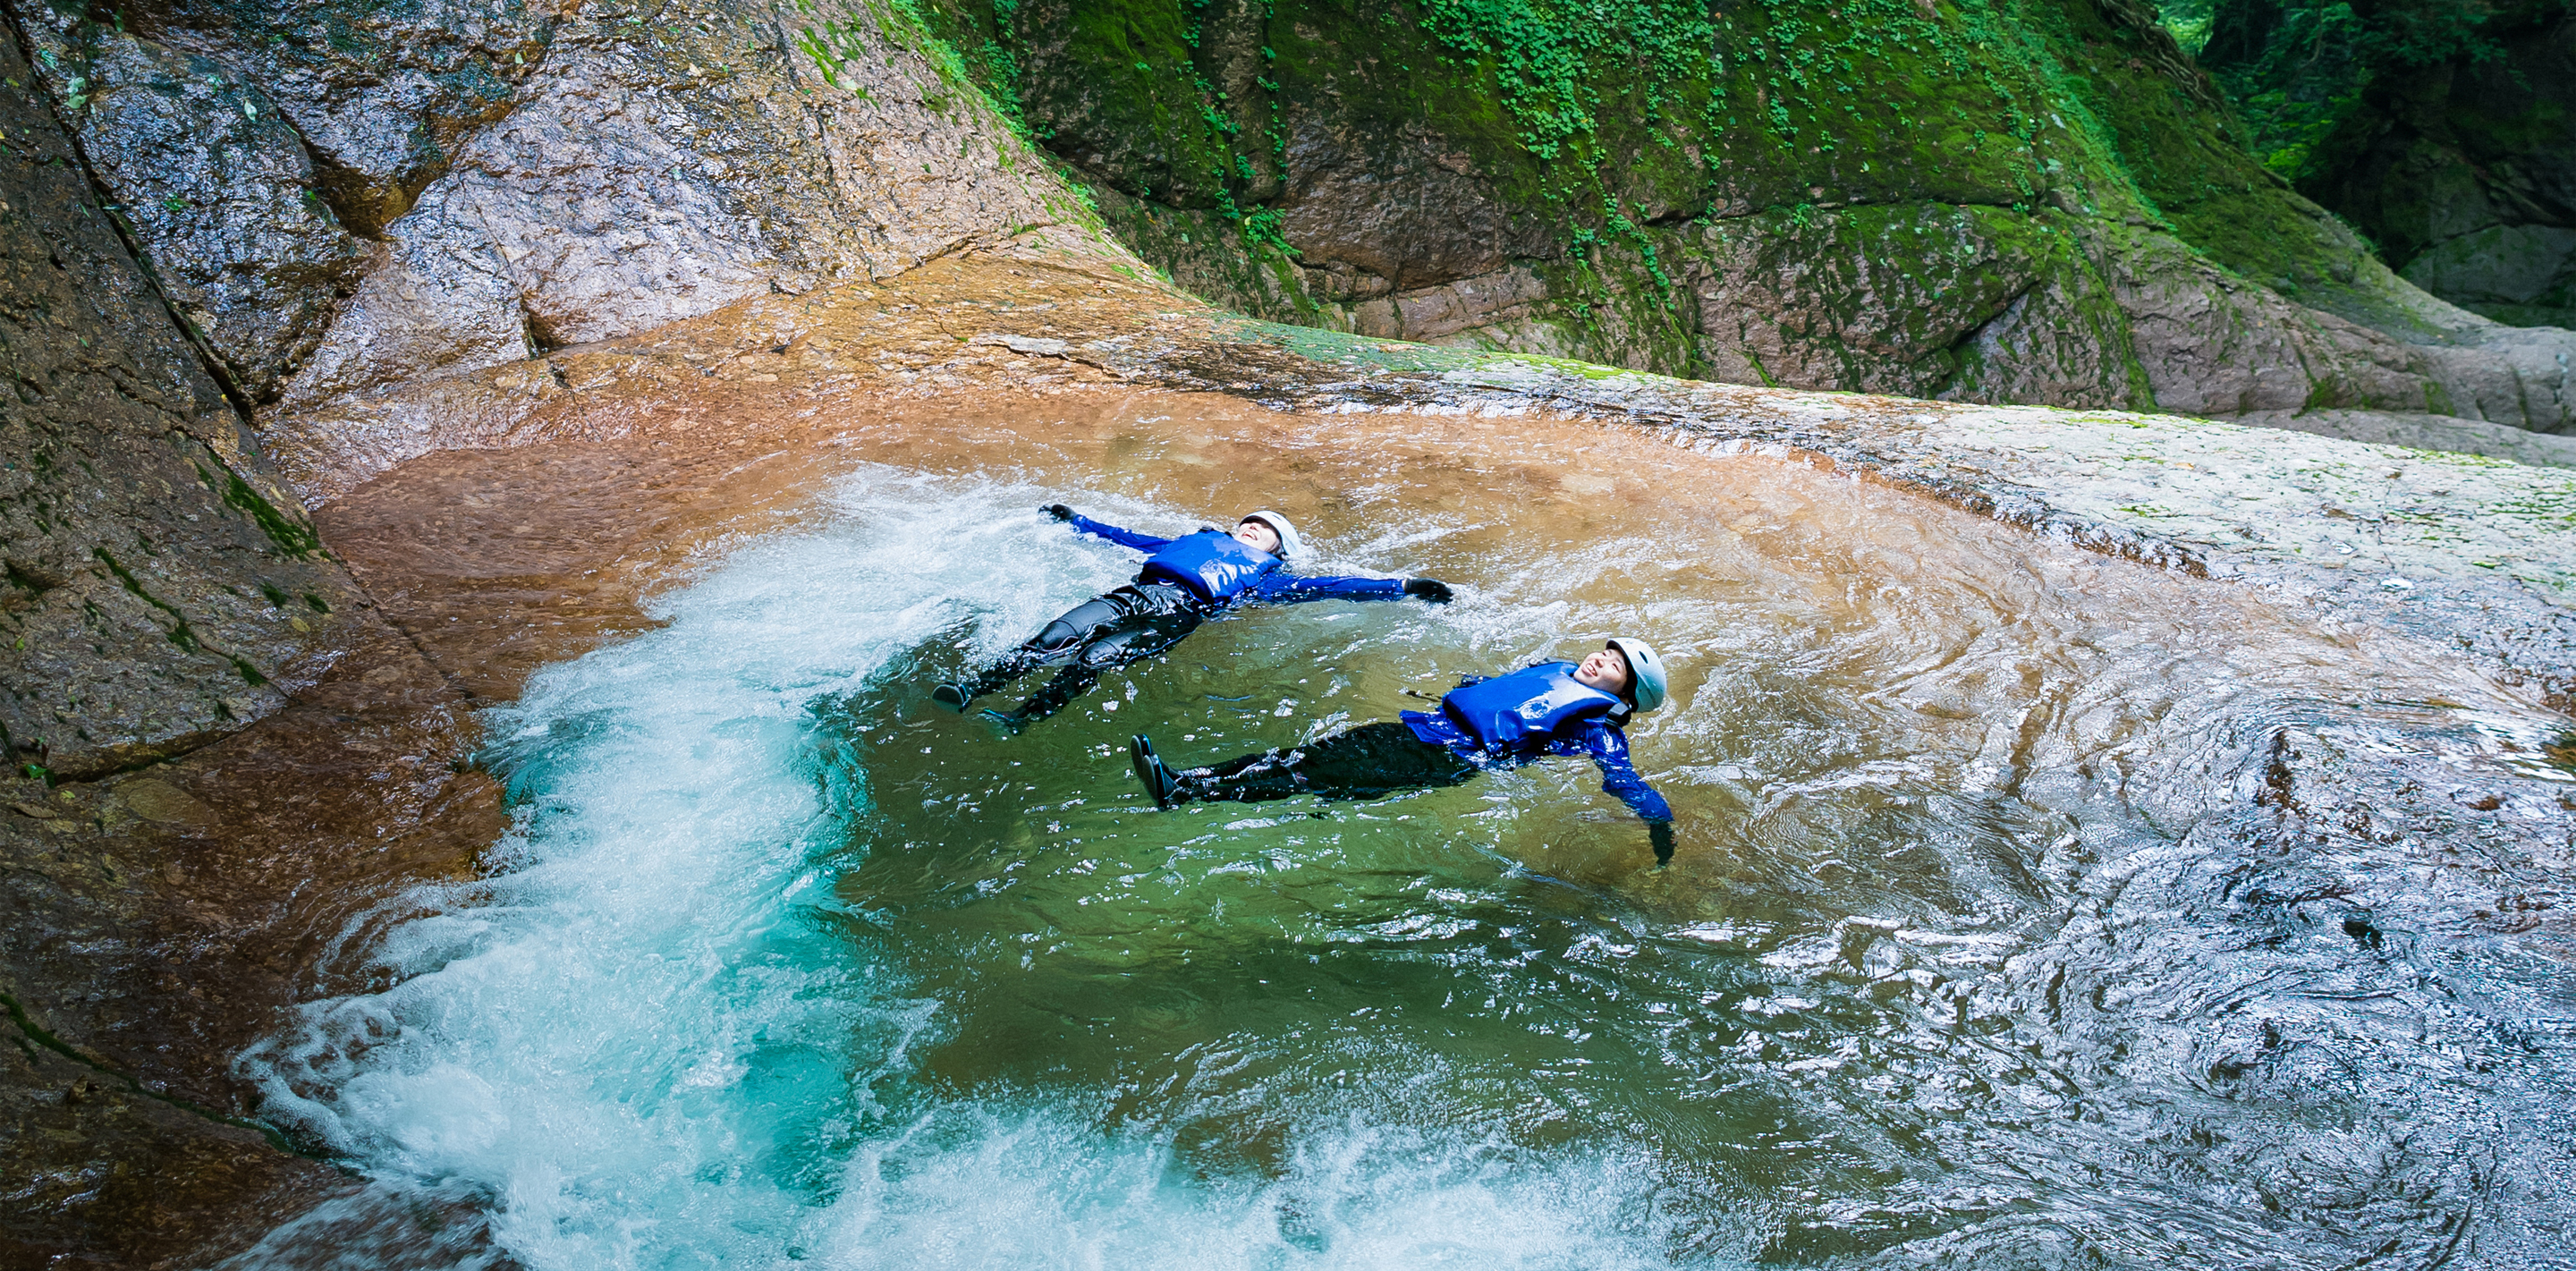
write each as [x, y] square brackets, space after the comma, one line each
[296, 539]
[2296, 69]
[1261, 230]
[1549, 57]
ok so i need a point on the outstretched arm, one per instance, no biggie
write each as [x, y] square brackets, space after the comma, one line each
[1103, 529]
[1609, 750]
[1288, 588]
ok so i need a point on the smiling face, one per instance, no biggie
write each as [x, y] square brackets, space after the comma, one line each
[1258, 536]
[1604, 669]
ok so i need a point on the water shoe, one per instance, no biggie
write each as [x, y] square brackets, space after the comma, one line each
[1159, 781]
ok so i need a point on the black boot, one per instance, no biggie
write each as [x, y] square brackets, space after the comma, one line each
[1159, 781]
[953, 696]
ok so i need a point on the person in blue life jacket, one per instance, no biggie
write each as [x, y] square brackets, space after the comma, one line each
[1184, 582]
[1551, 708]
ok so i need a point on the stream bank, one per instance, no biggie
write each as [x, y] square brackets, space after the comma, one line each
[495, 522]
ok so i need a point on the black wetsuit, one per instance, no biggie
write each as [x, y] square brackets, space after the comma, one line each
[1134, 622]
[1367, 762]
[1524, 716]
[1151, 614]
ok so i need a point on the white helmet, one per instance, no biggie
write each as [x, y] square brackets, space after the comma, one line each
[1645, 672]
[1289, 543]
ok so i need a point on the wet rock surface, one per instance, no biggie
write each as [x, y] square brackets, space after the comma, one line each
[214, 186]
[162, 587]
[163, 591]
[158, 922]
[381, 93]
[101, 1174]
[516, 177]
[1996, 315]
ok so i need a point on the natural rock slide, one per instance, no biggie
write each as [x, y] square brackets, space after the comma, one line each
[2110, 837]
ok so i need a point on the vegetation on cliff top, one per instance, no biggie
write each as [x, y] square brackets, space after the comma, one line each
[2296, 70]
[1604, 117]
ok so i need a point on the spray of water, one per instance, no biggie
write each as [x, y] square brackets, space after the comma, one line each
[647, 1040]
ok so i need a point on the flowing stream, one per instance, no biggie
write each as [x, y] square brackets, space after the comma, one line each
[781, 965]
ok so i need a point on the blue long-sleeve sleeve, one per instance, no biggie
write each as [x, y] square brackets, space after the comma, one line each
[1123, 538]
[1608, 749]
[1287, 588]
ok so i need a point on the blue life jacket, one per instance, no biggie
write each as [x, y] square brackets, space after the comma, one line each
[1525, 708]
[1212, 563]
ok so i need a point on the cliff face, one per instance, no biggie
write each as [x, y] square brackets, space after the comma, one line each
[2024, 200]
[1992, 200]
[2464, 172]
[363, 194]
[162, 587]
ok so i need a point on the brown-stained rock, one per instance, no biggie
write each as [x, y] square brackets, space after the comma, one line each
[161, 920]
[100, 1174]
[1055, 281]
[153, 925]
[162, 588]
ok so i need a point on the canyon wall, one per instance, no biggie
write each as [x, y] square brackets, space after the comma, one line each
[162, 586]
[1991, 200]
[2039, 201]
[2444, 132]
[227, 222]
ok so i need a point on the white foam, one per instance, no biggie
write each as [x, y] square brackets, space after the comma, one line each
[1046, 1191]
[630, 1050]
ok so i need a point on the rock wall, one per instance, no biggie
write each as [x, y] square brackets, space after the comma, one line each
[2465, 173]
[162, 586]
[162, 590]
[363, 194]
[1990, 200]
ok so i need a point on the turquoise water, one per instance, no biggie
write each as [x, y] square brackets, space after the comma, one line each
[780, 965]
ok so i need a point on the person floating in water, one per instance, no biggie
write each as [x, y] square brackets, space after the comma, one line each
[1185, 581]
[1552, 708]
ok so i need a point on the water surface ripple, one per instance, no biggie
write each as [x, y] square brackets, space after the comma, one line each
[2033, 910]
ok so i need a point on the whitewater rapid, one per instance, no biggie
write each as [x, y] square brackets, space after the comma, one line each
[642, 1041]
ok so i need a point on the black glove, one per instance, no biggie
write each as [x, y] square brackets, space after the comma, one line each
[1431, 589]
[1660, 833]
[1058, 511]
